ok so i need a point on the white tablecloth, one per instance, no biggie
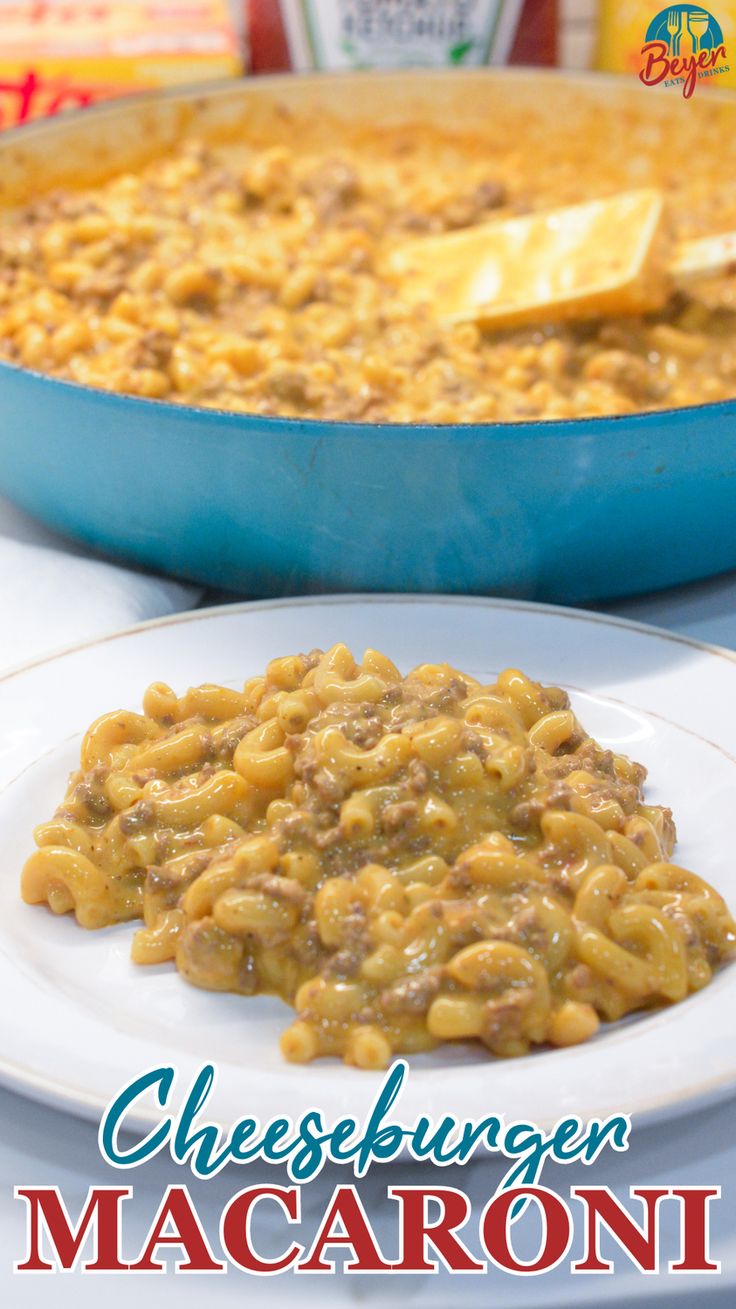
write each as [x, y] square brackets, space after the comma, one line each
[53, 594]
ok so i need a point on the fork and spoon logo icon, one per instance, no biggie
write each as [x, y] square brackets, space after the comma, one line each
[687, 23]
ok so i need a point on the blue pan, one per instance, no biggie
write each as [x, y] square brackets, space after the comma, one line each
[566, 511]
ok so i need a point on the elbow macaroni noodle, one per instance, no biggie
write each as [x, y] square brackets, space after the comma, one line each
[404, 860]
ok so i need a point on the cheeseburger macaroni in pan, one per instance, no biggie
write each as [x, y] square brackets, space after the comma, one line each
[252, 273]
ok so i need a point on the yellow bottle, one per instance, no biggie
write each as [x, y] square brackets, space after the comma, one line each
[681, 48]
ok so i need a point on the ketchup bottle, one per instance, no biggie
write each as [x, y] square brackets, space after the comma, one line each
[275, 27]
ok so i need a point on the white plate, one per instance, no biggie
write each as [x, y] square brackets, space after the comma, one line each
[83, 1020]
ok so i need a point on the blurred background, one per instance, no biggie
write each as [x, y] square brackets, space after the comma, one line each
[63, 54]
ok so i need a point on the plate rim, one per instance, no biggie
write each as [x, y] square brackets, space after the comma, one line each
[368, 597]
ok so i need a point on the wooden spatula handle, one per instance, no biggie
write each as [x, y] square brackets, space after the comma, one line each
[705, 254]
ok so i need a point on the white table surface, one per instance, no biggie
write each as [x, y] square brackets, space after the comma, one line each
[41, 1146]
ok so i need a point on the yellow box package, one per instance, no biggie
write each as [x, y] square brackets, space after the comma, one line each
[65, 55]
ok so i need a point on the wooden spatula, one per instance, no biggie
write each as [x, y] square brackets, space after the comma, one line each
[606, 257]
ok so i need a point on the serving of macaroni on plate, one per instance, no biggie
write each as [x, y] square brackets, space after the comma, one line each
[405, 860]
